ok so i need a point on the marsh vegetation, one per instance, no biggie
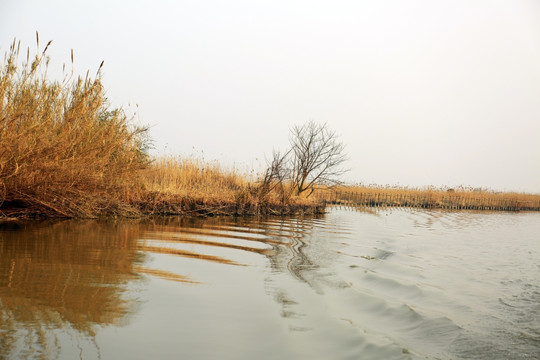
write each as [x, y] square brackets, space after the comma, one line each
[462, 198]
[65, 152]
[375, 283]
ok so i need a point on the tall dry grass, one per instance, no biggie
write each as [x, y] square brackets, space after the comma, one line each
[65, 153]
[445, 198]
[194, 186]
[195, 178]
[63, 150]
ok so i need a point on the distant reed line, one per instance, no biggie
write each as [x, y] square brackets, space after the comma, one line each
[430, 199]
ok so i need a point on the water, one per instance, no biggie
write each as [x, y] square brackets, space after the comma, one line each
[393, 284]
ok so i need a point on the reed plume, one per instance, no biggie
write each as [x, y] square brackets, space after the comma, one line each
[64, 151]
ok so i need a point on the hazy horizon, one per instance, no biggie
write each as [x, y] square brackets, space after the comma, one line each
[443, 93]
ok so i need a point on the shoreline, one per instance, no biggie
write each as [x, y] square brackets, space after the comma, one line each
[177, 206]
[189, 207]
[431, 199]
[150, 203]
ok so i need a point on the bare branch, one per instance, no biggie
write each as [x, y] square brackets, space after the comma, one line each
[314, 158]
[317, 155]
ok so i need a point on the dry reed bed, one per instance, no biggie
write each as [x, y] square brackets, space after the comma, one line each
[431, 198]
[65, 153]
[189, 186]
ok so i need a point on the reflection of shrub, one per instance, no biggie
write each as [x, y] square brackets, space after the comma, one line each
[64, 276]
[64, 151]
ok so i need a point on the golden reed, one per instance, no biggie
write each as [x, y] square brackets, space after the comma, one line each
[65, 153]
[462, 198]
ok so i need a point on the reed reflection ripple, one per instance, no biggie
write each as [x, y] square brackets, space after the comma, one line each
[385, 284]
[403, 283]
[63, 276]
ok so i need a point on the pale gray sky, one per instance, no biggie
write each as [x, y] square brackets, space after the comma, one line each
[422, 92]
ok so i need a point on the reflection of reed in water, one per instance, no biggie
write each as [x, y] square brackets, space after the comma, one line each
[280, 241]
[286, 243]
[73, 276]
[167, 235]
[63, 276]
[167, 275]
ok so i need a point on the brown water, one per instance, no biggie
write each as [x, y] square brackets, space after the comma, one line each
[394, 284]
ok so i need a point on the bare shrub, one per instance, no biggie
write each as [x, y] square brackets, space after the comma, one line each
[314, 158]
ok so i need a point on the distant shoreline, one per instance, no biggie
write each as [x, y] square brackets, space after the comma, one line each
[452, 199]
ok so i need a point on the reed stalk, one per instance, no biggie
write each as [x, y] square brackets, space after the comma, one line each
[64, 151]
[443, 198]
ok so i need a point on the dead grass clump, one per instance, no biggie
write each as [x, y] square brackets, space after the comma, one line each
[63, 151]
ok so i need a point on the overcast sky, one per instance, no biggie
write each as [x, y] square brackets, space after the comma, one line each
[421, 92]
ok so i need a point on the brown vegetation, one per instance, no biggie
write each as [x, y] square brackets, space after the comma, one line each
[86, 266]
[443, 198]
[194, 187]
[314, 159]
[65, 153]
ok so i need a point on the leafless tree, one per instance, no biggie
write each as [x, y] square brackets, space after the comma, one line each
[316, 157]
[276, 176]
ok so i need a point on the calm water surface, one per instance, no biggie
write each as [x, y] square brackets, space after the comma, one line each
[393, 284]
